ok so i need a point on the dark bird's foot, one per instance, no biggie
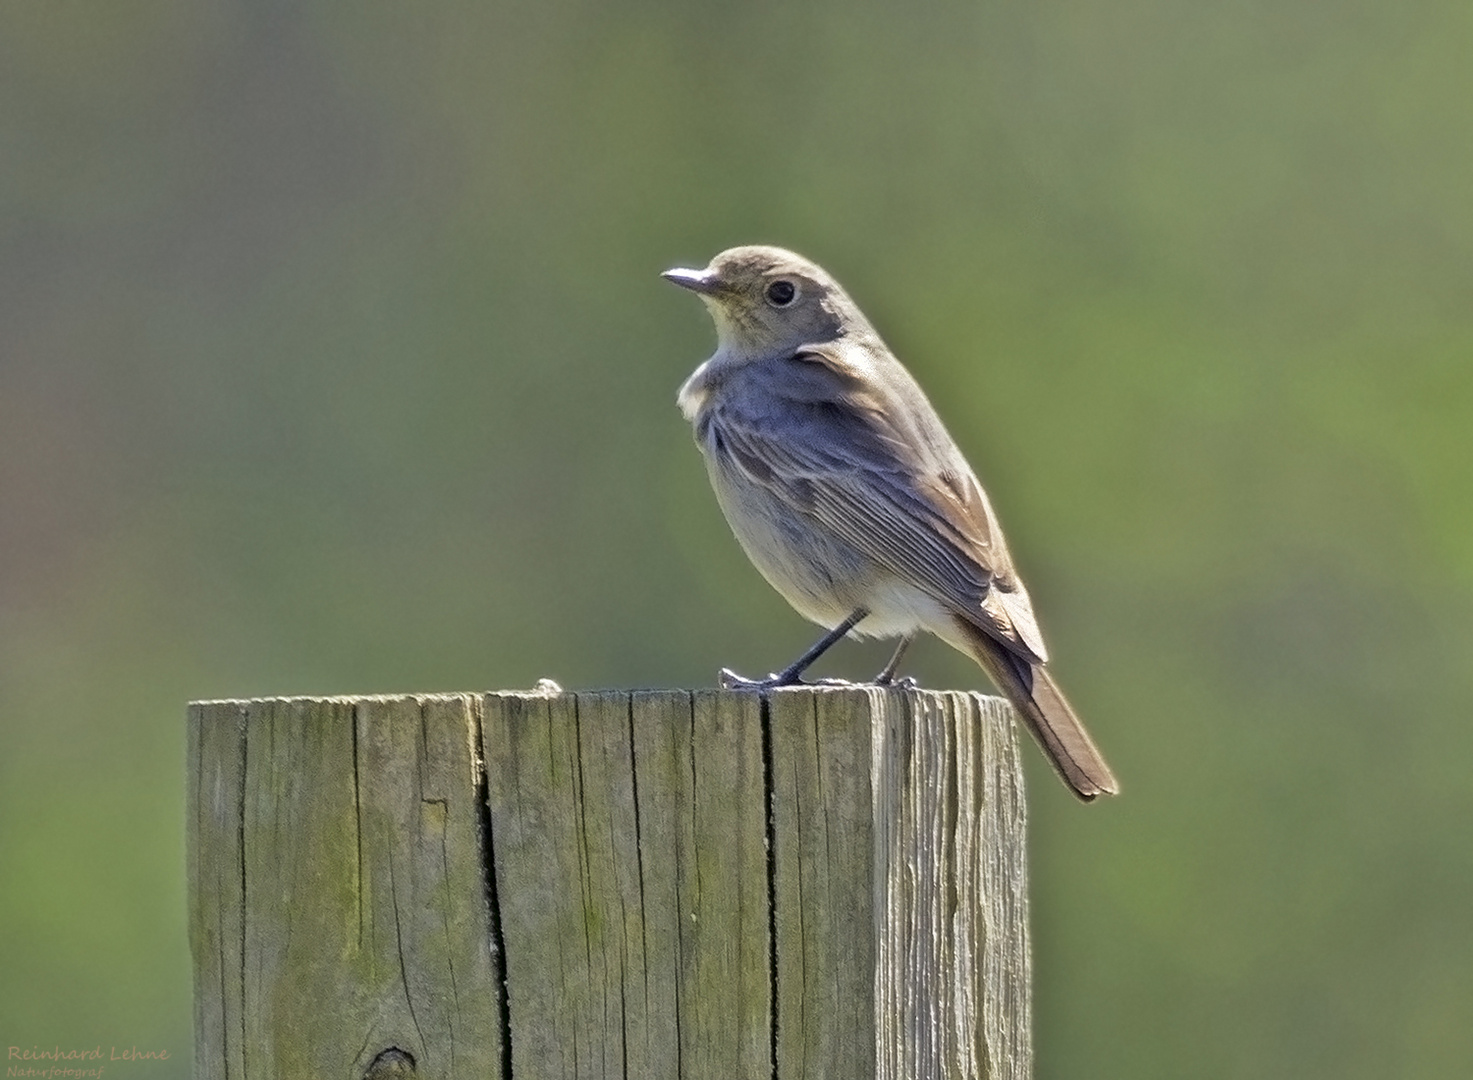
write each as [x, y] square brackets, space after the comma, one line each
[886, 677]
[730, 680]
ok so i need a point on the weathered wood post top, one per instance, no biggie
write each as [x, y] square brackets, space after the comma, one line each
[811, 882]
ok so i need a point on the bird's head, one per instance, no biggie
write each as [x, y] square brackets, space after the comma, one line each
[766, 301]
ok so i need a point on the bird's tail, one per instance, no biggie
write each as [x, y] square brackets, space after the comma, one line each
[1041, 704]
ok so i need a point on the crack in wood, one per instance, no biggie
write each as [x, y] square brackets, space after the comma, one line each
[487, 842]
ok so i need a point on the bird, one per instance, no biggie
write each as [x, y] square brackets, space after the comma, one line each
[846, 491]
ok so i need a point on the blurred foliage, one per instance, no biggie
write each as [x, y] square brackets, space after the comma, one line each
[333, 359]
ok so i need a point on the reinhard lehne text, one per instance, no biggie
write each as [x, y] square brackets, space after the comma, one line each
[56, 1063]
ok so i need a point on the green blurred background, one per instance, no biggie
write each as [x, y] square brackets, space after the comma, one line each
[334, 359]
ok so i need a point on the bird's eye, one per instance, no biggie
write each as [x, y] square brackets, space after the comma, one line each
[781, 292]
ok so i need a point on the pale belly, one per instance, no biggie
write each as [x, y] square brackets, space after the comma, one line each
[822, 576]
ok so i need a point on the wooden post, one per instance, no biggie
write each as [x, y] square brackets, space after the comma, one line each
[815, 883]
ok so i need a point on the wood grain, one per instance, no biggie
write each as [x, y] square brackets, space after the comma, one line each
[813, 883]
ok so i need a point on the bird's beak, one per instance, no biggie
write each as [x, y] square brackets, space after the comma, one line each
[697, 281]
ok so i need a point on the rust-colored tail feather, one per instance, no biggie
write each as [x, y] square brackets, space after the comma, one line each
[1041, 704]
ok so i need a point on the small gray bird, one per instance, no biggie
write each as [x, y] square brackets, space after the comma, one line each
[847, 493]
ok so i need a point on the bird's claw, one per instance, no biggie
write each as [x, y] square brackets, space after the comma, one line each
[908, 683]
[730, 680]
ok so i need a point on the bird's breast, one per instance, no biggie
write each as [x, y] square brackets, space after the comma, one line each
[694, 394]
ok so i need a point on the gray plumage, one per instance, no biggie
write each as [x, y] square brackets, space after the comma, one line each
[848, 495]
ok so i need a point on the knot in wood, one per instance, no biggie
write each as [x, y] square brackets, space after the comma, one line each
[391, 1064]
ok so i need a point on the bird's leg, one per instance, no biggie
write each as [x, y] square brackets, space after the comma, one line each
[791, 675]
[886, 677]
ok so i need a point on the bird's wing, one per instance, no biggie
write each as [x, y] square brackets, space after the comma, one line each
[826, 440]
